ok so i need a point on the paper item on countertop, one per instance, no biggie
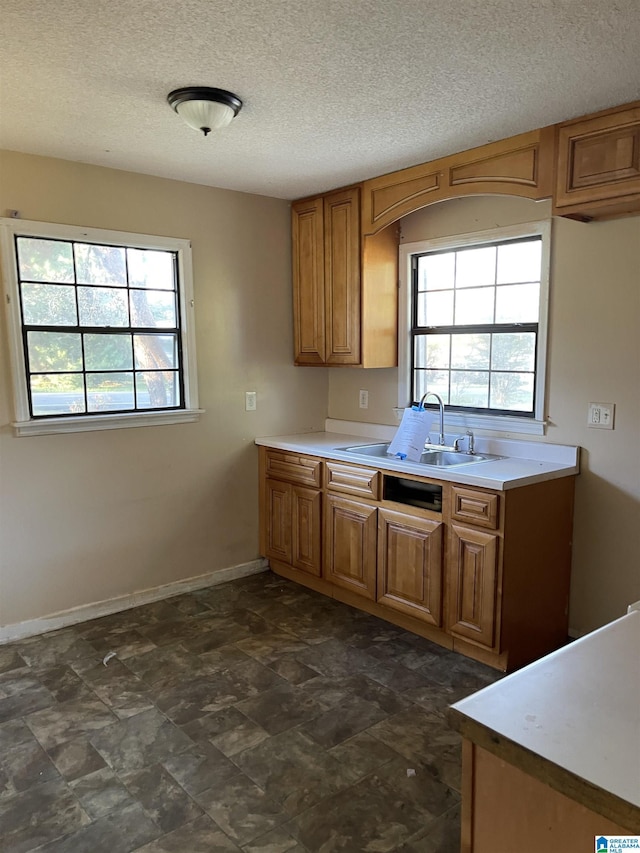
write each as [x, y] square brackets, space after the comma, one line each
[409, 440]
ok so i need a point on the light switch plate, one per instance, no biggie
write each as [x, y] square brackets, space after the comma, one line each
[250, 401]
[601, 415]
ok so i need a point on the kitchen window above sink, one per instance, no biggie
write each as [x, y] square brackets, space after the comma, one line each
[473, 326]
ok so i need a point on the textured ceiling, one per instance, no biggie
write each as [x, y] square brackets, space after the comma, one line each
[334, 90]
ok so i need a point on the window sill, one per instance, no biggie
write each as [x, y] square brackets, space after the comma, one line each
[53, 426]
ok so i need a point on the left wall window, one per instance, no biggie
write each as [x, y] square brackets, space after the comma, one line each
[101, 328]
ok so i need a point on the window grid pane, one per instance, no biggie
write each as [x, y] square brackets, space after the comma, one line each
[95, 340]
[491, 336]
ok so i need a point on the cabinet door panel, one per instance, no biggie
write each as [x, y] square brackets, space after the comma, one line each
[350, 537]
[278, 498]
[308, 281]
[342, 276]
[410, 565]
[473, 572]
[599, 163]
[306, 547]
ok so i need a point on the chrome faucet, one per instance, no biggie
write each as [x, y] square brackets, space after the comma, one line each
[456, 442]
[470, 440]
[441, 408]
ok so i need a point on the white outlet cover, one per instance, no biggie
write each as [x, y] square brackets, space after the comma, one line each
[601, 415]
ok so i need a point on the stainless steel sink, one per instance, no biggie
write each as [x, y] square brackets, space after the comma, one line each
[367, 449]
[432, 456]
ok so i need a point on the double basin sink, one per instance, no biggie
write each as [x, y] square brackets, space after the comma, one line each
[441, 458]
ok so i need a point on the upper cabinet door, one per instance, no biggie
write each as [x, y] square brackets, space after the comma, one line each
[599, 164]
[308, 281]
[342, 276]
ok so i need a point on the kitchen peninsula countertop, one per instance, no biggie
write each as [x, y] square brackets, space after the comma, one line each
[571, 719]
[525, 462]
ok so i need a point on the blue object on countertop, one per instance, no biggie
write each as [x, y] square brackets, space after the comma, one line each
[401, 456]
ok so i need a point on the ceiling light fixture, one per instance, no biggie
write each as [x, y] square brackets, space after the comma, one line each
[204, 108]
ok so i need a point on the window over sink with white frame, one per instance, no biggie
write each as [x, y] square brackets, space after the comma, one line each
[473, 326]
[101, 328]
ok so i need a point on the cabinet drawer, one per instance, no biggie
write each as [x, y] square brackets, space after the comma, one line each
[477, 508]
[349, 480]
[282, 465]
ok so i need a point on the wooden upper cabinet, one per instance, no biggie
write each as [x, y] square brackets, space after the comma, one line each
[308, 281]
[342, 276]
[520, 166]
[599, 164]
[345, 287]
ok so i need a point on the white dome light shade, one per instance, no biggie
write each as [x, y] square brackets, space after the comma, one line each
[203, 108]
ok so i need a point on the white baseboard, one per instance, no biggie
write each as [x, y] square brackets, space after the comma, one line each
[85, 612]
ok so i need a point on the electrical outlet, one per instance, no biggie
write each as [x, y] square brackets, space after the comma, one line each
[364, 399]
[250, 401]
[601, 415]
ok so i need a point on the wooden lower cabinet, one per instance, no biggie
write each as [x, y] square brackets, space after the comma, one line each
[278, 521]
[350, 545]
[487, 576]
[473, 574]
[306, 544]
[410, 564]
[294, 530]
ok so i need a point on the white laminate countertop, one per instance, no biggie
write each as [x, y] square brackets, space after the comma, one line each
[578, 708]
[525, 462]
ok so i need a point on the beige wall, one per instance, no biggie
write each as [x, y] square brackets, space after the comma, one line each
[90, 516]
[593, 355]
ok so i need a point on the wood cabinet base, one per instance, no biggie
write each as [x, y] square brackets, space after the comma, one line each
[487, 575]
[505, 810]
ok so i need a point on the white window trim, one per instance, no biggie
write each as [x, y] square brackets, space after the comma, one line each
[24, 424]
[461, 420]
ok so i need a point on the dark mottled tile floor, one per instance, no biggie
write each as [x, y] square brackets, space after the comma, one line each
[254, 716]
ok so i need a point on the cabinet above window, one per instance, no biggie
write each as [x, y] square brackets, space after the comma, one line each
[599, 165]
